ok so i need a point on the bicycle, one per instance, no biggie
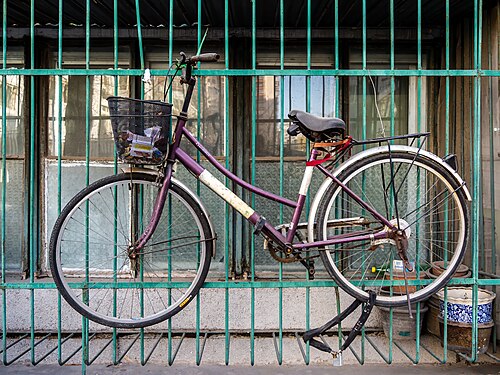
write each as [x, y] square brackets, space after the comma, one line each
[385, 207]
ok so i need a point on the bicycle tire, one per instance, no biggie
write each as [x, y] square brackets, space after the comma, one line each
[361, 177]
[156, 281]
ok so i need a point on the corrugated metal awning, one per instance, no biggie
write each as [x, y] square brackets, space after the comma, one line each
[155, 13]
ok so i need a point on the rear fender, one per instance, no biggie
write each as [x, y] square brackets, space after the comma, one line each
[364, 154]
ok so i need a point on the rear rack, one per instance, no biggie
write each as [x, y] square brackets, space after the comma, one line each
[386, 139]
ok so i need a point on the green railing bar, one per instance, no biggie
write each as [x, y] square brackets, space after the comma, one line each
[308, 109]
[417, 332]
[419, 127]
[363, 21]
[246, 284]
[419, 34]
[31, 195]
[337, 114]
[447, 151]
[227, 215]
[392, 41]
[364, 136]
[493, 259]
[115, 171]
[391, 328]
[363, 64]
[170, 96]
[141, 266]
[139, 33]
[4, 174]
[492, 176]
[308, 35]
[85, 322]
[282, 174]
[260, 72]
[198, 155]
[476, 176]
[393, 81]
[253, 176]
[336, 16]
[59, 160]
[475, 335]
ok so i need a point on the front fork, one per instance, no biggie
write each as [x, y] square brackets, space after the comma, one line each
[139, 244]
[136, 248]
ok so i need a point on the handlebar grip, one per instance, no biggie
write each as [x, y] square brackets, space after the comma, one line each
[205, 57]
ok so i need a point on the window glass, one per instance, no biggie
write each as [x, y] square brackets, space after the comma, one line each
[14, 176]
[14, 102]
[378, 94]
[374, 126]
[207, 107]
[14, 221]
[269, 110]
[68, 109]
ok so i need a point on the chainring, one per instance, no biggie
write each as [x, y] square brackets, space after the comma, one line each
[280, 255]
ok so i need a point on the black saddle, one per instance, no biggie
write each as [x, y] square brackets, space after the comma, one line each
[317, 129]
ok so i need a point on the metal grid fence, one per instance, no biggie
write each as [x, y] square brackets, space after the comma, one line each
[479, 77]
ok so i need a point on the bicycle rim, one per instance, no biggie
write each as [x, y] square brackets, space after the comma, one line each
[90, 252]
[431, 210]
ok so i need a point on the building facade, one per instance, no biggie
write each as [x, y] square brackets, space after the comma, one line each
[384, 67]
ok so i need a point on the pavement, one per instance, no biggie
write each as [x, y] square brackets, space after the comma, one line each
[129, 369]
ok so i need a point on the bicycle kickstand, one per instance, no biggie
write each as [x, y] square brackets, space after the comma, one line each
[308, 336]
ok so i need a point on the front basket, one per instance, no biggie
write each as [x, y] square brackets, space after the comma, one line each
[141, 129]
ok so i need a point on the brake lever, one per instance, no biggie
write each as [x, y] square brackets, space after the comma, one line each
[183, 76]
[184, 58]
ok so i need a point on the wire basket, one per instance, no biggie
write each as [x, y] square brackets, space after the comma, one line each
[141, 129]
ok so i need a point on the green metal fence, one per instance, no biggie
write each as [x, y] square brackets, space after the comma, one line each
[439, 69]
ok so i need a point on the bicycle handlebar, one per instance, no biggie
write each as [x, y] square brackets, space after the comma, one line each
[204, 57]
[191, 61]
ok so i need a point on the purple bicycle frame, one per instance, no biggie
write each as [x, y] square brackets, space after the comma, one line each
[177, 153]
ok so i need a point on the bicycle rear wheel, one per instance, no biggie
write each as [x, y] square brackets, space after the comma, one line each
[432, 211]
[90, 261]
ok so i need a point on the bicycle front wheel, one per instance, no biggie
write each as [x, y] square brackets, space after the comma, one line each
[98, 276]
[432, 210]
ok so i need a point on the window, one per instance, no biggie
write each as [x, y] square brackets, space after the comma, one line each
[68, 107]
[13, 180]
[269, 112]
[207, 107]
[405, 98]
[271, 108]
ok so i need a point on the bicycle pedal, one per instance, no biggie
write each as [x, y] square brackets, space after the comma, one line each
[337, 359]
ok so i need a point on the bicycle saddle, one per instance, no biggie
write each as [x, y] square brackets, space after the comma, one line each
[314, 127]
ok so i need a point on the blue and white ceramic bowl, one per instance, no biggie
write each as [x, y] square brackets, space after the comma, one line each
[460, 305]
